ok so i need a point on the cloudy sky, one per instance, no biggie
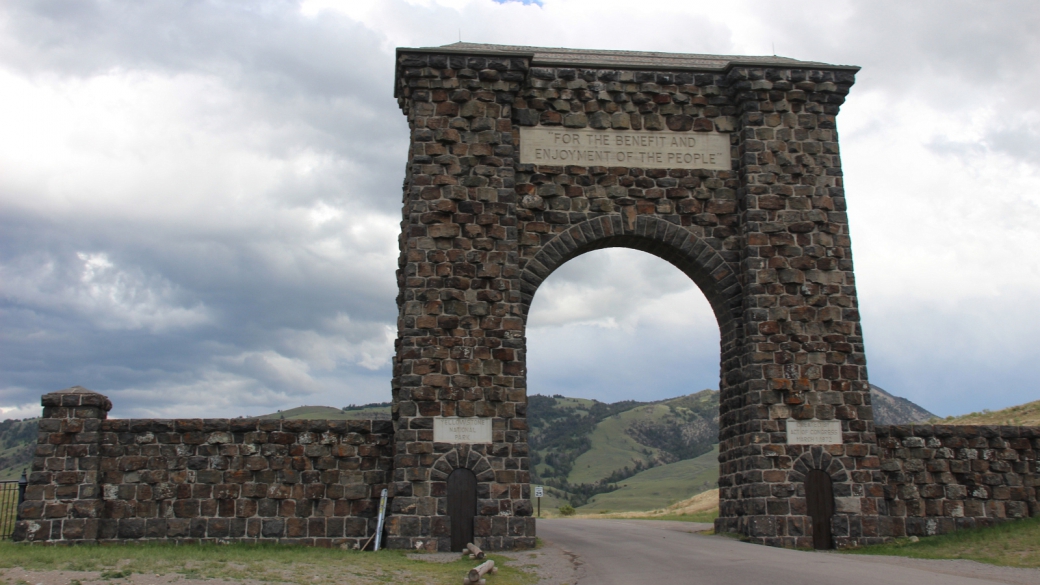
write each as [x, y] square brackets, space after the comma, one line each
[199, 201]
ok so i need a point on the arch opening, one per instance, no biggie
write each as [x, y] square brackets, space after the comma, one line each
[620, 324]
[619, 348]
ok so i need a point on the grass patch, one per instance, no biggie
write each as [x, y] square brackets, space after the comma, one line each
[708, 516]
[262, 562]
[1011, 544]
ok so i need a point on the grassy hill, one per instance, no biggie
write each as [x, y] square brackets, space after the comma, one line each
[377, 410]
[583, 447]
[703, 507]
[660, 486]
[17, 443]
[1027, 414]
[611, 448]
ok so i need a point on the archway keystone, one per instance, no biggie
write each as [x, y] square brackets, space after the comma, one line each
[726, 167]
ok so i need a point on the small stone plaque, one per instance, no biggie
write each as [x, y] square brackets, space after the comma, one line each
[624, 148]
[813, 432]
[461, 430]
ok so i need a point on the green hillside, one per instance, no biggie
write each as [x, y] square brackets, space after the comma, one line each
[377, 410]
[613, 449]
[650, 435]
[660, 486]
[1027, 414]
[17, 443]
[583, 448]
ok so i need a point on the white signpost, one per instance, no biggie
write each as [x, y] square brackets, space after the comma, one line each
[382, 516]
[538, 493]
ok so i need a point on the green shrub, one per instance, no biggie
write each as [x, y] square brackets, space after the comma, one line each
[567, 510]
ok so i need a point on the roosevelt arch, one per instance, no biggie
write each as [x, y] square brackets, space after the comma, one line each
[759, 225]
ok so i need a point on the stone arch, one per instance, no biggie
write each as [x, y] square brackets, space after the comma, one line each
[703, 264]
[817, 457]
[674, 244]
[463, 456]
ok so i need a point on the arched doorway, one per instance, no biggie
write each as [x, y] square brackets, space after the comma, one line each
[462, 507]
[819, 501]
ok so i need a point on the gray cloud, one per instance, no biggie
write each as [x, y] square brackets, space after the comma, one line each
[262, 297]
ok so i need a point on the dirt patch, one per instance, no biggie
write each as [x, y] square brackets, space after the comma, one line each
[552, 564]
[23, 577]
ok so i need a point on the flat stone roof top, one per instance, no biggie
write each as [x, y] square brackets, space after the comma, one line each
[559, 57]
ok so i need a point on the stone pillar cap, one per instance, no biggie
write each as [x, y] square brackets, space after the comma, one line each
[76, 390]
[85, 399]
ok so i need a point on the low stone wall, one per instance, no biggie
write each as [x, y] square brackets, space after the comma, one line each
[940, 478]
[318, 482]
[293, 481]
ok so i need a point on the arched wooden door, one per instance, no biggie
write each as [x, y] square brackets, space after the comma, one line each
[819, 499]
[462, 507]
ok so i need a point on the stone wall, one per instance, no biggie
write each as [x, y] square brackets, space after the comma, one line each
[940, 478]
[318, 482]
[191, 480]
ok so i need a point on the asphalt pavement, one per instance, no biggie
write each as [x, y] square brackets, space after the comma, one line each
[625, 552]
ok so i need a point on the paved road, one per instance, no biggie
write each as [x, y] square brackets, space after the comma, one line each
[625, 552]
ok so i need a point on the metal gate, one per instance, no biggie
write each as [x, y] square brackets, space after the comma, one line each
[11, 494]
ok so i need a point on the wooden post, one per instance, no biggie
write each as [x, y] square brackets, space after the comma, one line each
[475, 574]
[474, 551]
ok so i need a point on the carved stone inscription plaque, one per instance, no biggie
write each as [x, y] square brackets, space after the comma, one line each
[813, 432]
[625, 148]
[461, 430]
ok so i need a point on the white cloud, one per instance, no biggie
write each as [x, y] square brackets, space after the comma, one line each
[19, 411]
[100, 291]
